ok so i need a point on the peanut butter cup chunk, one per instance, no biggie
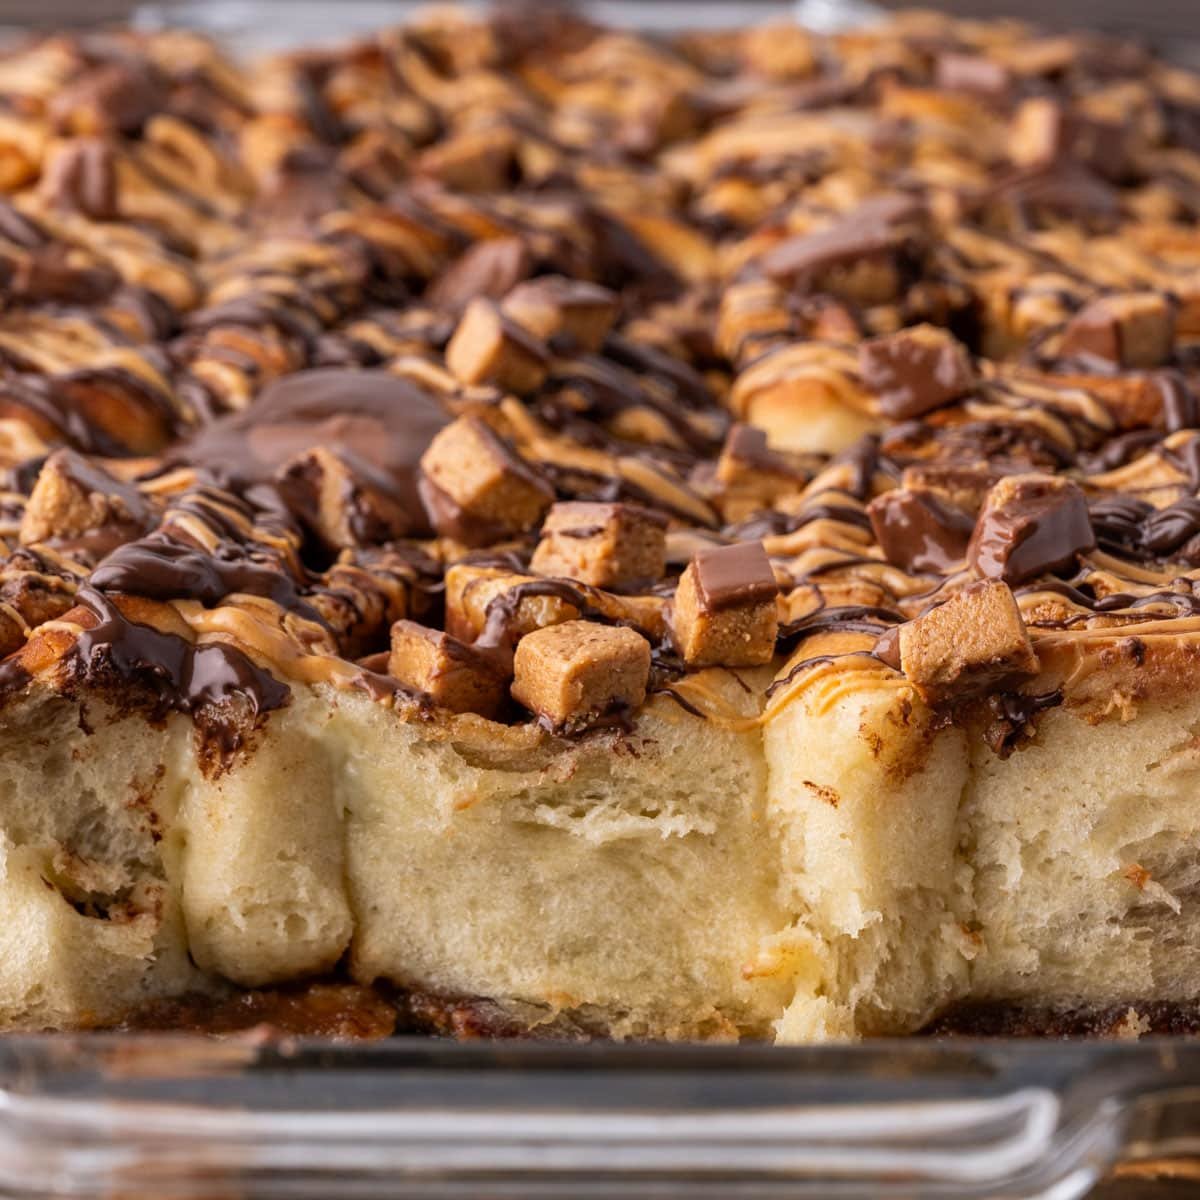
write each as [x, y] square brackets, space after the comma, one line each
[914, 371]
[373, 419]
[725, 611]
[74, 496]
[575, 672]
[919, 531]
[340, 506]
[1030, 525]
[858, 256]
[489, 348]
[489, 268]
[605, 545]
[1135, 329]
[1037, 133]
[1045, 132]
[974, 74]
[752, 475]
[963, 486]
[451, 673]
[481, 489]
[973, 642]
[499, 606]
[574, 313]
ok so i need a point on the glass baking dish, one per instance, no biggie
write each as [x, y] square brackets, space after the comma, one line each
[177, 1116]
[164, 1116]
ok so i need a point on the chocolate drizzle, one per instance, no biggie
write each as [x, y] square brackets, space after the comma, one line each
[379, 423]
[283, 351]
[161, 568]
[1136, 530]
[849, 618]
[1010, 717]
[215, 683]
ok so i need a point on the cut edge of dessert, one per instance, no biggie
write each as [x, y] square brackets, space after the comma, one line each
[513, 528]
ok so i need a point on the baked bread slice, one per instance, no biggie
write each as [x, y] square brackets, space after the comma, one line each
[575, 534]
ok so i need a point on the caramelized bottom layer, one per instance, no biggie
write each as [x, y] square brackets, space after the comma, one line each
[350, 1012]
[997, 1019]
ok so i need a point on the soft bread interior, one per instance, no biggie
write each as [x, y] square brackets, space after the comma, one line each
[1086, 850]
[631, 883]
[866, 792]
[850, 866]
[91, 925]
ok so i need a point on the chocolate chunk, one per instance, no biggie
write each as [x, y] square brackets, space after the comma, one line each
[82, 176]
[1183, 124]
[490, 268]
[747, 444]
[1103, 145]
[875, 226]
[887, 648]
[918, 532]
[914, 371]
[1031, 525]
[734, 575]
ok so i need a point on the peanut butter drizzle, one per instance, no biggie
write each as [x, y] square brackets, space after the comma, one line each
[239, 291]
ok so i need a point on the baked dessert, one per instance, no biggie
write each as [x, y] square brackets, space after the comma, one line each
[588, 534]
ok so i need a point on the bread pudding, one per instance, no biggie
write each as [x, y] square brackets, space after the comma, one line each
[569, 533]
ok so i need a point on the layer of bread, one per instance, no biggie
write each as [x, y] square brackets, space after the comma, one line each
[847, 865]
